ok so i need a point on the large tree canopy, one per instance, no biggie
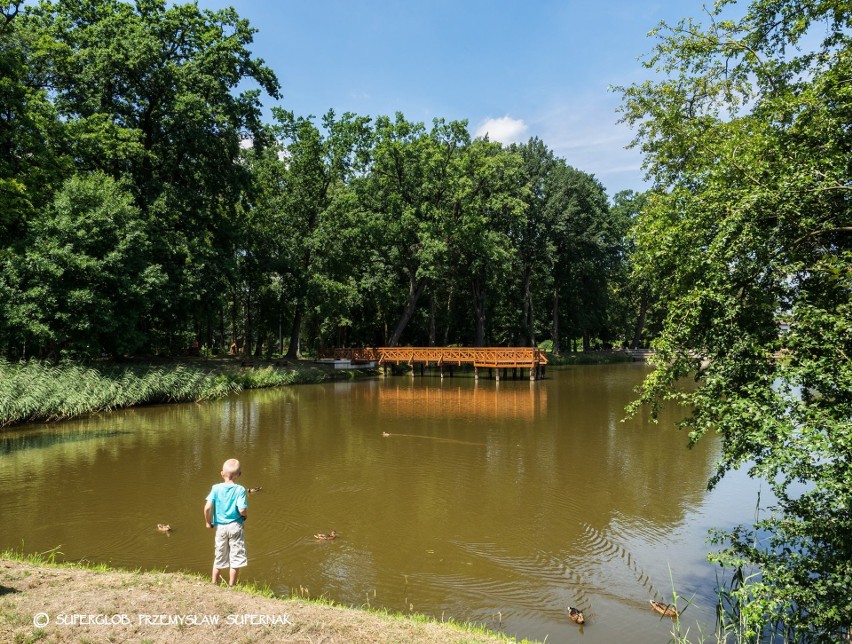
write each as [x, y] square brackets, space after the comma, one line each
[747, 239]
[303, 232]
[148, 93]
[86, 277]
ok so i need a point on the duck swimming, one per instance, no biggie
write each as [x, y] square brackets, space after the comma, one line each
[164, 527]
[576, 615]
[666, 610]
[252, 490]
[326, 537]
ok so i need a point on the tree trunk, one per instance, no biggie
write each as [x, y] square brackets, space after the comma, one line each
[449, 316]
[527, 338]
[249, 327]
[555, 330]
[294, 351]
[222, 341]
[640, 322]
[587, 341]
[235, 308]
[415, 289]
[478, 293]
[533, 343]
[208, 333]
[431, 319]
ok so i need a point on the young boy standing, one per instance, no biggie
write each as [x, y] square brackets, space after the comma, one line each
[226, 510]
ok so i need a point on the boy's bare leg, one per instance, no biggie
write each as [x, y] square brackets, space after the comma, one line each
[216, 574]
[234, 573]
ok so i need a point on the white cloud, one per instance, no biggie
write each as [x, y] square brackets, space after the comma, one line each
[584, 130]
[504, 130]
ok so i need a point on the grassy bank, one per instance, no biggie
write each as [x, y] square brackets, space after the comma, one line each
[32, 587]
[35, 391]
[594, 357]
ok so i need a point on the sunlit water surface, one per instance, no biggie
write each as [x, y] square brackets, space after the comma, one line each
[495, 502]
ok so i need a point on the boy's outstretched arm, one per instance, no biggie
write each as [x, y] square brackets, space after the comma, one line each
[242, 504]
[208, 514]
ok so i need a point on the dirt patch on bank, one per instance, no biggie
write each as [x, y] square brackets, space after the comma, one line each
[80, 605]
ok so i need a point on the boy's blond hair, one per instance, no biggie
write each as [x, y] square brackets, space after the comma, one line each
[231, 467]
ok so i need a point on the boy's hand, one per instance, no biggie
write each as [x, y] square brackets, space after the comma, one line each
[207, 524]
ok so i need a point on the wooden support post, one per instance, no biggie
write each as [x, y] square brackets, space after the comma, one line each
[422, 366]
[505, 372]
[498, 374]
[532, 372]
[442, 371]
[490, 373]
[475, 372]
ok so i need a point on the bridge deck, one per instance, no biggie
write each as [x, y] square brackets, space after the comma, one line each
[487, 357]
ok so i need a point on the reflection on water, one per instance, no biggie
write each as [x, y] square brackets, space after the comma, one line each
[18, 441]
[482, 401]
[496, 502]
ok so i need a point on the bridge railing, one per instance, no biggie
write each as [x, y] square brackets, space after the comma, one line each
[506, 357]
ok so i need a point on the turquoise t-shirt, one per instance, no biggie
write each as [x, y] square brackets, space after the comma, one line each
[228, 499]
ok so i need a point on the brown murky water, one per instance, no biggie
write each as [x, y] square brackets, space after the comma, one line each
[500, 503]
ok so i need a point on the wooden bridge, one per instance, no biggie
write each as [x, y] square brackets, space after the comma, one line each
[497, 358]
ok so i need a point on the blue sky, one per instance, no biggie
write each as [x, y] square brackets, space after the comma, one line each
[515, 69]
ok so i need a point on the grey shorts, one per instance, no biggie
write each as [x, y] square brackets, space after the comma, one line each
[230, 550]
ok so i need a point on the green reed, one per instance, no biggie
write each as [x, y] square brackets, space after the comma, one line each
[257, 378]
[38, 391]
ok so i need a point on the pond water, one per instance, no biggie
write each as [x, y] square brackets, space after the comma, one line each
[495, 502]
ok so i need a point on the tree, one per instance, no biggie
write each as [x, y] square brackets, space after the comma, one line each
[638, 296]
[409, 190]
[318, 168]
[149, 92]
[534, 243]
[31, 163]
[582, 238]
[85, 281]
[747, 234]
[486, 207]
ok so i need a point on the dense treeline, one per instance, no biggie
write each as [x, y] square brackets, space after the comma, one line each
[745, 238]
[146, 205]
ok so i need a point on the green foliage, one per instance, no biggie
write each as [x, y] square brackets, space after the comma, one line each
[410, 193]
[85, 278]
[147, 93]
[31, 391]
[145, 208]
[259, 378]
[748, 143]
[39, 391]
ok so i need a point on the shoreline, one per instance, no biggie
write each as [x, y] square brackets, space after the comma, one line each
[71, 602]
[38, 392]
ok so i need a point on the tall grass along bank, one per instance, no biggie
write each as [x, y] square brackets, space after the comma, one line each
[36, 391]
